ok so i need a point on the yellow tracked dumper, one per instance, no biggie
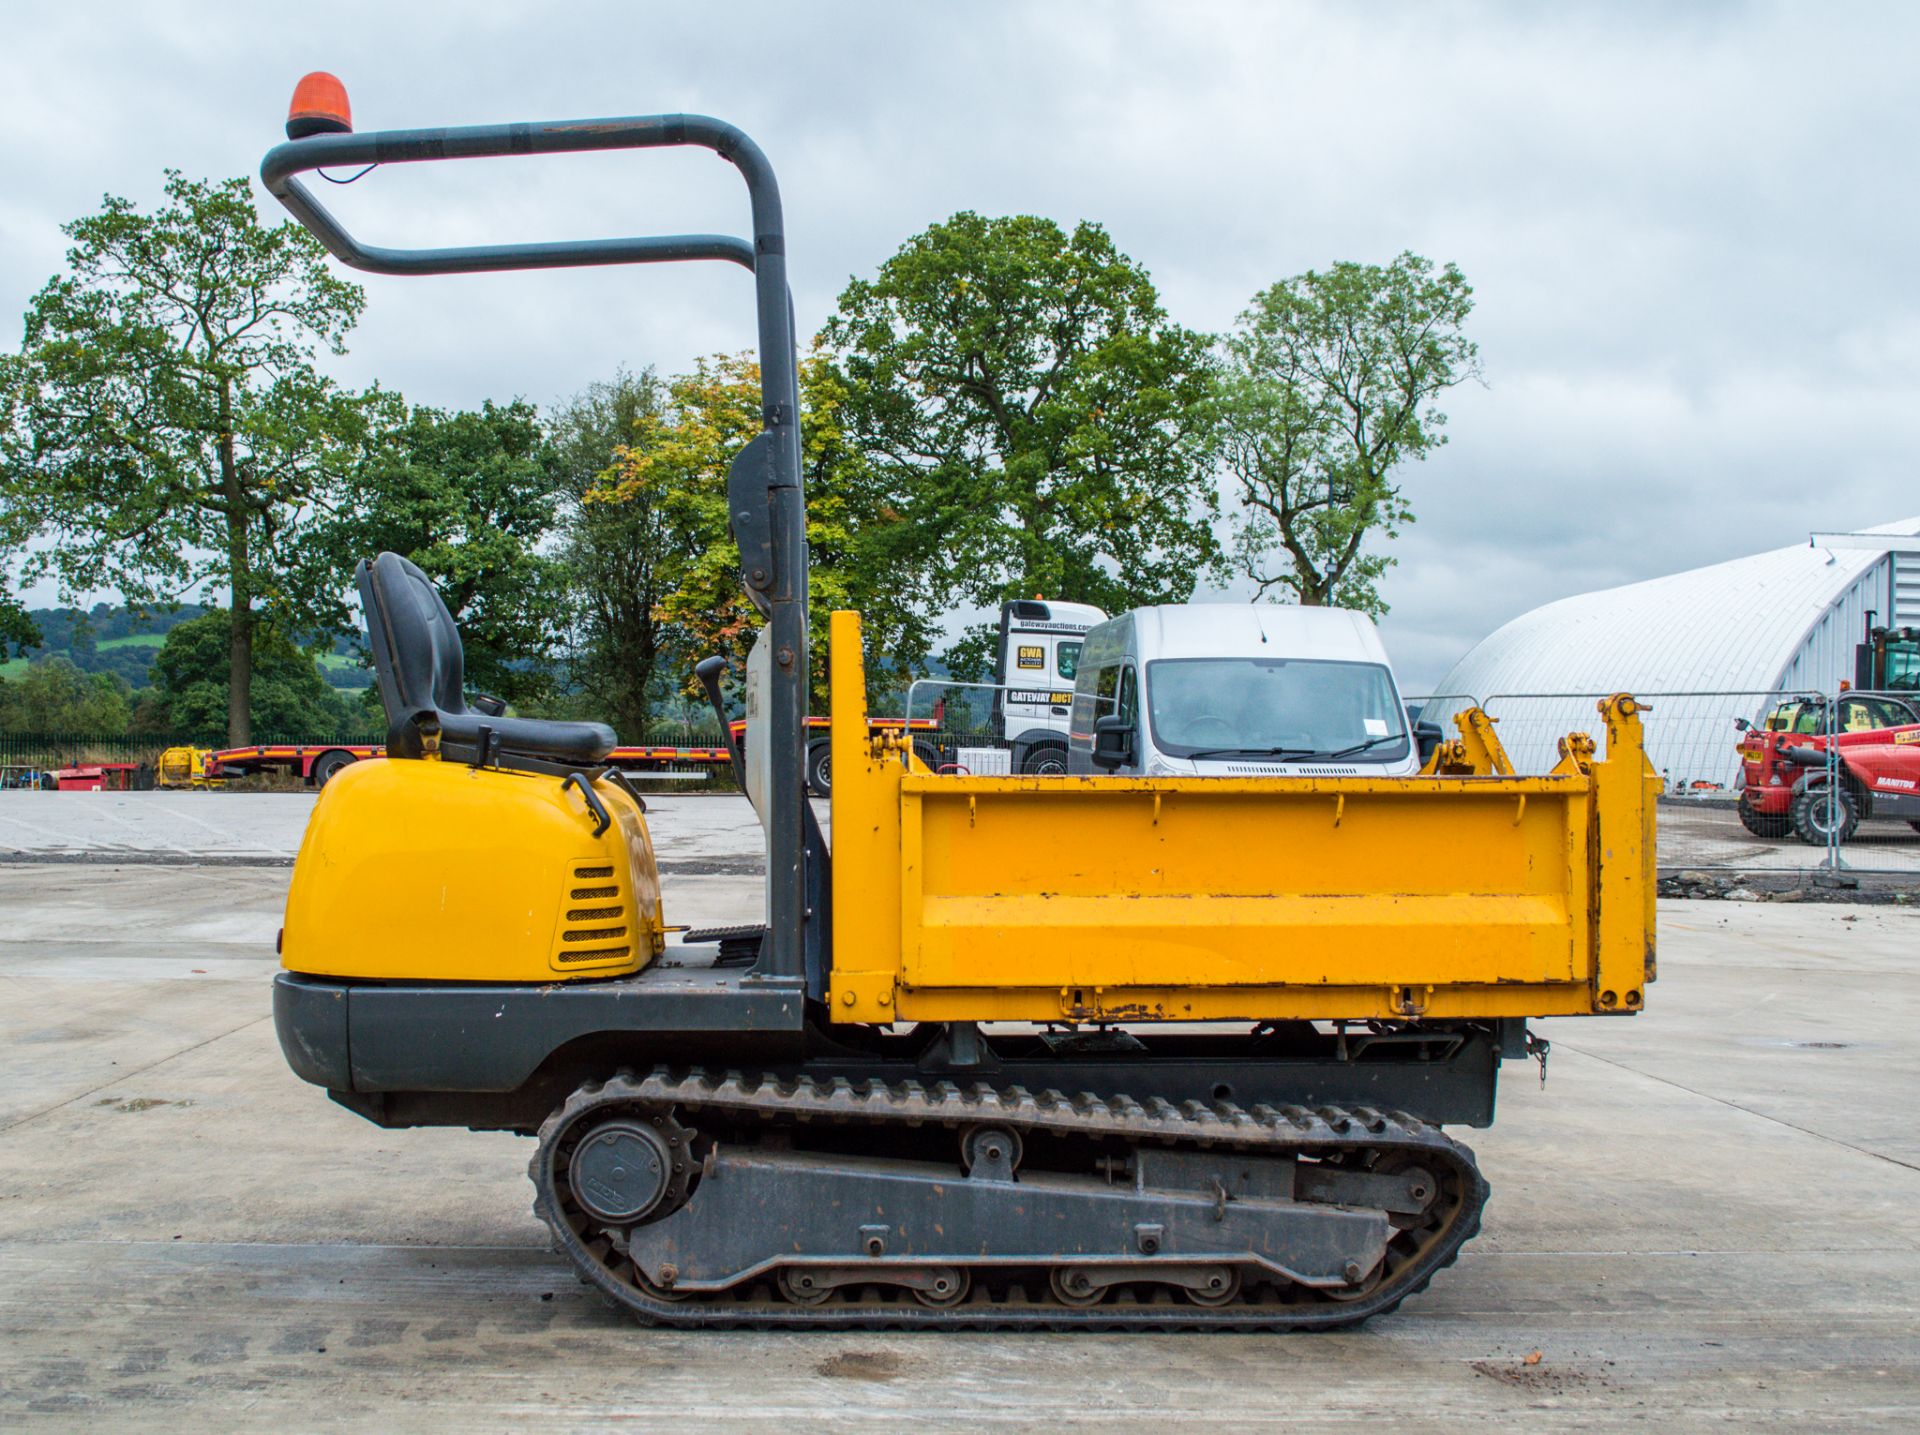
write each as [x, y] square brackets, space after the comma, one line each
[1043, 1052]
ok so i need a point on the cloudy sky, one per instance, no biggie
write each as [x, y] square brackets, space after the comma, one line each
[1690, 227]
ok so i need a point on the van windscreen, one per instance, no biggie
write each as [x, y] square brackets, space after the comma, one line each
[1264, 707]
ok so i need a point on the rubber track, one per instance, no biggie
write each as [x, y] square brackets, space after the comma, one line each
[1268, 1130]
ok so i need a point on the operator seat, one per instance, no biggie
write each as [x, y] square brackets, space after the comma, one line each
[420, 667]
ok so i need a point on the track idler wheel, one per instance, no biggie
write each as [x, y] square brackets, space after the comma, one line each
[1218, 1286]
[1074, 1286]
[630, 1167]
[804, 1286]
[945, 1286]
[995, 1150]
[1422, 1185]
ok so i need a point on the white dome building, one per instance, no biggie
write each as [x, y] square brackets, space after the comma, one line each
[1703, 648]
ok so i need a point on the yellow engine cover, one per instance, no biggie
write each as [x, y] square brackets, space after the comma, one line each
[436, 871]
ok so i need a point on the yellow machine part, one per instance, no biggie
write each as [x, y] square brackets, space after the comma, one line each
[1196, 899]
[1477, 752]
[437, 871]
[184, 767]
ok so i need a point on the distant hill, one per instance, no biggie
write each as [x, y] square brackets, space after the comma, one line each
[112, 639]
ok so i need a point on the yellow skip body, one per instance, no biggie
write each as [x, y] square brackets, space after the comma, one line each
[1250, 899]
[438, 871]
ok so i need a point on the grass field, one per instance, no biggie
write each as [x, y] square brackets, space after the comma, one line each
[16, 668]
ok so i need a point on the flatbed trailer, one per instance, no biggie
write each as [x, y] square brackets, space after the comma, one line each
[312, 763]
[315, 763]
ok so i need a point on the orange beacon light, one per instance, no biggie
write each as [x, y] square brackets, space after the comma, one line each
[319, 107]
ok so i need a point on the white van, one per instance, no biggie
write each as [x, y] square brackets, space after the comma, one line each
[1240, 690]
[1035, 664]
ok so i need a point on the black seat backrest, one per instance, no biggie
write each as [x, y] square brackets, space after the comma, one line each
[418, 659]
[420, 667]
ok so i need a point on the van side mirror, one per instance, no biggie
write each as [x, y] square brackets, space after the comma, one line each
[1427, 736]
[1112, 741]
[1741, 724]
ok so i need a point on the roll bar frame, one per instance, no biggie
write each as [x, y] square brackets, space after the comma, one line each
[767, 503]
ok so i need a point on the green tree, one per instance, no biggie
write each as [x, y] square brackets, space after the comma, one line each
[618, 550]
[676, 469]
[673, 470]
[863, 551]
[54, 696]
[18, 631]
[163, 426]
[468, 496]
[1330, 386]
[290, 698]
[1040, 424]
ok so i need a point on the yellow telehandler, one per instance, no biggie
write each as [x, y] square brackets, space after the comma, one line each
[1016, 1051]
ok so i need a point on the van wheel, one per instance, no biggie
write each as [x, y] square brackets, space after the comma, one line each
[1825, 814]
[820, 769]
[327, 764]
[1045, 760]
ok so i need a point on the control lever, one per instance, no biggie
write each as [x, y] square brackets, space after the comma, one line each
[708, 670]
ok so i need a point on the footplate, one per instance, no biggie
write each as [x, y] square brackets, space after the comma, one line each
[848, 1204]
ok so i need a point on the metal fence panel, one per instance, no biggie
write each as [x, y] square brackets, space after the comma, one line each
[1438, 707]
[1707, 819]
[1692, 738]
[956, 729]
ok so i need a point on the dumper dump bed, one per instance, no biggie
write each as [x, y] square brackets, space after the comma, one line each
[1120, 899]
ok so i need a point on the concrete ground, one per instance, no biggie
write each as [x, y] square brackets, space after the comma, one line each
[695, 833]
[1705, 1218]
[1706, 836]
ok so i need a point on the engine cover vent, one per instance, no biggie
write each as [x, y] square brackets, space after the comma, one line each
[596, 918]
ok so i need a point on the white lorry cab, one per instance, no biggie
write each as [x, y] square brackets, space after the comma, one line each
[1240, 690]
[1035, 664]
